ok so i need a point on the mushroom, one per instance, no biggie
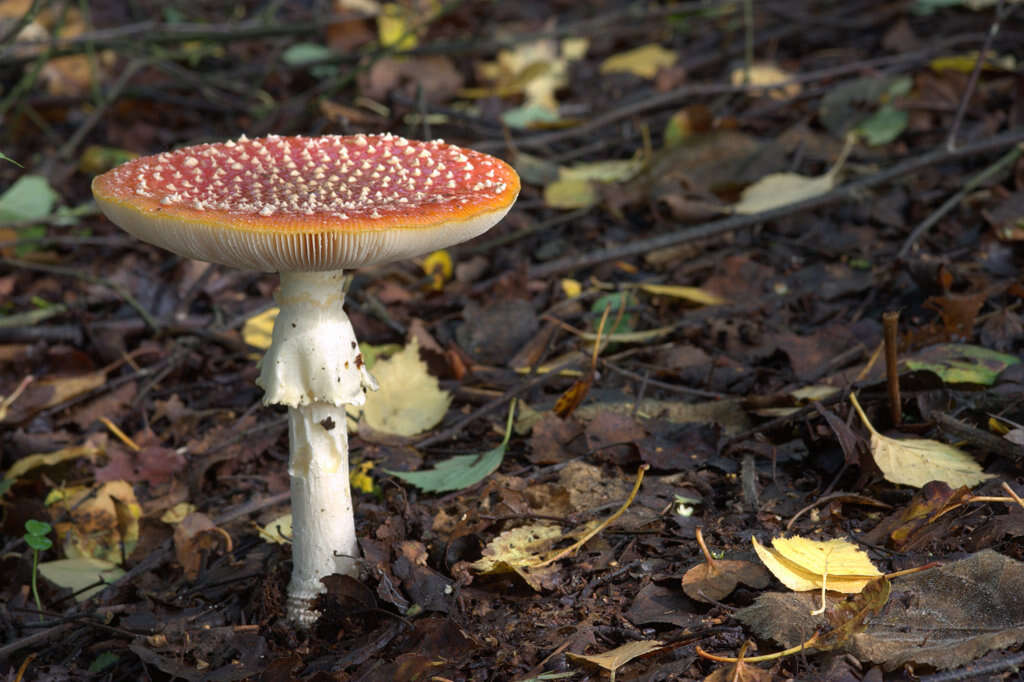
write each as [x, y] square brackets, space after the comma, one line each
[310, 208]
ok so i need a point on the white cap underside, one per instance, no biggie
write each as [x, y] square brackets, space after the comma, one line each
[294, 252]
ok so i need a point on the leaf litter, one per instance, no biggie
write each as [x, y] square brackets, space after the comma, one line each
[130, 420]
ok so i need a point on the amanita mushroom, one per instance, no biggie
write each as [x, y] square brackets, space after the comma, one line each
[309, 208]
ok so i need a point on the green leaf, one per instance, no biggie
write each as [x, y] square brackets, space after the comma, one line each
[40, 544]
[957, 363]
[461, 471]
[301, 54]
[4, 157]
[883, 126]
[38, 528]
[29, 198]
[617, 301]
[103, 661]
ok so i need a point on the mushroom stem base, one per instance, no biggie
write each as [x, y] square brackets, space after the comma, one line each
[323, 528]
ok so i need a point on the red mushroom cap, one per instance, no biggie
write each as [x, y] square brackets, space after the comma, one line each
[308, 203]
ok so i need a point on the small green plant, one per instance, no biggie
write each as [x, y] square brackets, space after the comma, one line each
[35, 537]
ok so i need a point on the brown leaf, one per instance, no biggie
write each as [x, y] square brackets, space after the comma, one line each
[948, 616]
[195, 536]
[849, 616]
[740, 672]
[714, 582]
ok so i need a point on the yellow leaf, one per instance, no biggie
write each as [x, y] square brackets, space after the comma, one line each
[573, 188]
[394, 29]
[278, 531]
[570, 193]
[410, 400]
[616, 658]
[571, 287]
[574, 49]
[360, 478]
[176, 513]
[438, 266]
[834, 557]
[103, 522]
[643, 61]
[781, 189]
[964, 63]
[258, 330]
[766, 76]
[29, 462]
[79, 574]
[800, 578]
[695, 294]
[916, 461]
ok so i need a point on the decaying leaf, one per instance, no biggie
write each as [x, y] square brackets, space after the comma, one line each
[278, 531]
[258, 330]
[802, 564]
[765, 77]
[916, 461]
[950, 615]
[83, 575]
[195, 536]
[849, 616]
[45, 459]
[410, 400]
[104, 522]
[779, 189]
[616, 658]
[643, 61]
[707, 582]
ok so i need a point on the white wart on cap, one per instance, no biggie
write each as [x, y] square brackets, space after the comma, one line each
[291, 204]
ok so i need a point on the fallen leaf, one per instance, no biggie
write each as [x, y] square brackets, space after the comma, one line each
[802, 564]
[258, 330]
[103, 521]
[957, 363]
[83, 575]
[30, 462]
[949, 615]
[194, 537]
[714, 582]
[461, 471]
[916, 461]
[410, 400]
[694, 294]
[780, 189]
[765, 78]
[278, 531]
[619, 656]
[644, 61]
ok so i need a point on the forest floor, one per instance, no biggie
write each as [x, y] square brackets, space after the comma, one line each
[761, 293]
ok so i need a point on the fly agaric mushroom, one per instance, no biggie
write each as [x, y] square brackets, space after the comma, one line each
[310, 208]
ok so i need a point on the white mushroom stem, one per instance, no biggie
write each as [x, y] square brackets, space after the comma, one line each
[314, 367]
[323, 525]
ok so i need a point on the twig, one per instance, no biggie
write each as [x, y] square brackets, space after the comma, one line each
[1002, 13]
[128, 298]
[716, 227]
[890, 323]
[949, 204]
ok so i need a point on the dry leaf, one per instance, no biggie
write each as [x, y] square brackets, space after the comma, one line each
[644, 61]
[619, 656]
[802, 564]
[80, 575]
[41, 459]
[916, 461]
[782, 189]
[278, 531]
[258, 330]
[694, 294]
[766, 76]
[410, 400]
[713, 582]
[104, 523]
